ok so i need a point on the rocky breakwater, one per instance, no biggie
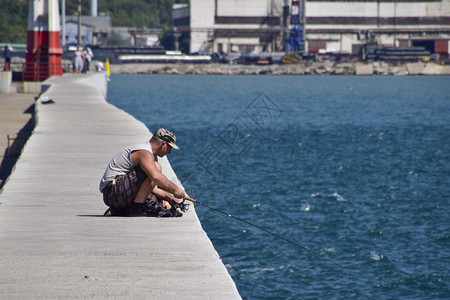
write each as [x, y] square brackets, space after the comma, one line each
[308, 68]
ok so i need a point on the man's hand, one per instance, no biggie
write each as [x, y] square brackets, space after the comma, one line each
[172, 200]
[180, 194]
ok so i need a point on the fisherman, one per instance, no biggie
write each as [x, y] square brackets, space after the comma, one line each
[133, 176]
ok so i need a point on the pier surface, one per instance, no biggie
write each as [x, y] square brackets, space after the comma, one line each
[16, 125]
[55, 242]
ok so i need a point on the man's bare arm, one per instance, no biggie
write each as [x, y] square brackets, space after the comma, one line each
[147, 162]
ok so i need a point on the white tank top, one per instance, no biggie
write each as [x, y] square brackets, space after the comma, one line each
[121, 163]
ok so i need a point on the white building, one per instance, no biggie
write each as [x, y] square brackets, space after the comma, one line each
[208, 26]
[340, 26]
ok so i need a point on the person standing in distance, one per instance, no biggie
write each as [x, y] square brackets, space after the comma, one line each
[7, 55]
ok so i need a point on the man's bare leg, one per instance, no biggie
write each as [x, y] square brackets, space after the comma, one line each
[144, 191]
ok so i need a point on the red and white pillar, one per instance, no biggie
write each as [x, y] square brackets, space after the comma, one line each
[43, 54]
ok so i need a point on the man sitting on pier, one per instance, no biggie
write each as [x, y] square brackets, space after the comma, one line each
[133, 175]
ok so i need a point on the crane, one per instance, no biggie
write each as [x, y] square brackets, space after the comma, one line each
[297, 31]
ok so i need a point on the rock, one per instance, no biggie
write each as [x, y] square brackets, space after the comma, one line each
[338, 71]
[432, 69]
[415, 68]
[361, 69]
[321, 71]
[401, 70]
[320, 68]
[445, 70]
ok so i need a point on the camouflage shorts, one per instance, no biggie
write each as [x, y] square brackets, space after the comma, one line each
[121, 192]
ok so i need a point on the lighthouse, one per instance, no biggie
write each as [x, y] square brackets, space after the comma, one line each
[43, 53]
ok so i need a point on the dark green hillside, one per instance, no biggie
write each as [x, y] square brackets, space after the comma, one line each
[124, 13]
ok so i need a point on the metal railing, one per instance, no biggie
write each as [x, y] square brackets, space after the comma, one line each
[39, 71]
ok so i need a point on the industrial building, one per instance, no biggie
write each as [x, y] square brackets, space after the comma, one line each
[94, 29]
[311, 26]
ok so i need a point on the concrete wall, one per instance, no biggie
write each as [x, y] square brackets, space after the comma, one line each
[248, 7]
[202, 20]
[5, 82]
[372, 9]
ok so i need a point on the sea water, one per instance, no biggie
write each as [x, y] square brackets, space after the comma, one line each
[355, 169]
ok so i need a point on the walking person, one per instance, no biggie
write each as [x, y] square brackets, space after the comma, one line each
[88, 55]
[133, 175]
[78, 61]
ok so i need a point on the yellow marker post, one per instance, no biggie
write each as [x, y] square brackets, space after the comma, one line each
[108, 70]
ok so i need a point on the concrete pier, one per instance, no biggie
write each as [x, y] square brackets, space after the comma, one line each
[56, 244]
[16, 125]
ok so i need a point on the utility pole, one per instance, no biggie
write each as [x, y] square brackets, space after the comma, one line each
[79, 23]
[63, 23]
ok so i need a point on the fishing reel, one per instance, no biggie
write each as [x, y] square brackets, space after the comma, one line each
[184, 207]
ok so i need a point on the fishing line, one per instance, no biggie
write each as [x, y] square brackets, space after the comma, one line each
[267, 231]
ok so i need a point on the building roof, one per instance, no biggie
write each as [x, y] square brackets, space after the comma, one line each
[100, 23]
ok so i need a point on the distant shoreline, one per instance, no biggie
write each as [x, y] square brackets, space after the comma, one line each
[302, 68]
[314, 68]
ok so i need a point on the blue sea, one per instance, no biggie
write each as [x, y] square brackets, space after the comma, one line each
[353, 168]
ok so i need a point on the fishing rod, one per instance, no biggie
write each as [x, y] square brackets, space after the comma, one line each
[265, 230]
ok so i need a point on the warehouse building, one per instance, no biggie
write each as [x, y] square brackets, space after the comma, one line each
[339, 26]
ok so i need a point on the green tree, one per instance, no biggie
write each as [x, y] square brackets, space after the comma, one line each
[72, 7]
[13, 21]
[126, 13]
